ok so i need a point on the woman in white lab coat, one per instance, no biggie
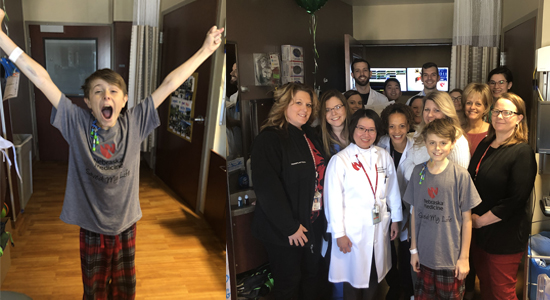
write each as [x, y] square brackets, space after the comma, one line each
[397, 119]
[361, 196]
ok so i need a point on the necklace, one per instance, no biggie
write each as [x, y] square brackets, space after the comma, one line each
[93, 133]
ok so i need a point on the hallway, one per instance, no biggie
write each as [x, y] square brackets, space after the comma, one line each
[177, 254]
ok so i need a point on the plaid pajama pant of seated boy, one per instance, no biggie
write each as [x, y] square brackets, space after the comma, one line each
[108, 264]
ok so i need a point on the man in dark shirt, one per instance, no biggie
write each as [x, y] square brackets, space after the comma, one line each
[360, 71]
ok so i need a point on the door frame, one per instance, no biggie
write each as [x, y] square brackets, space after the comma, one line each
[212, 108]
[27, 47]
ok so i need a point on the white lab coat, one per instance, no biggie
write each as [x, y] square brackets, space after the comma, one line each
[385, 144]
[376, 98]
[349, 203]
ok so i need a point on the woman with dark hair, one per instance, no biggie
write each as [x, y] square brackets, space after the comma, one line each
[334, 120]
[354, 100]
[397, 119]
[500, 81]
[288, 168]
[456, 96]
[503, 168]
[416, 105]
[361, 191]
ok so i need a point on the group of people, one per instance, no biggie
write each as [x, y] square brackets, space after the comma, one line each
[447, 174]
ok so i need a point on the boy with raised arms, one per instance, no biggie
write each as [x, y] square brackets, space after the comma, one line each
[102, 194]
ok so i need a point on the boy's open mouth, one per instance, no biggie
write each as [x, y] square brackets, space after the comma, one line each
[107, 112]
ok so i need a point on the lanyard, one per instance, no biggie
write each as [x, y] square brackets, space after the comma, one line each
[314, 163]
[376, 169]
[479, 163]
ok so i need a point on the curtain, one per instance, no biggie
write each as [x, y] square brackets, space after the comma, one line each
[476, 38]
[144, 57]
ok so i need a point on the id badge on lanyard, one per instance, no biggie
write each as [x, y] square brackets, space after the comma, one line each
[376, 214]
[376, 209]
[316, 201]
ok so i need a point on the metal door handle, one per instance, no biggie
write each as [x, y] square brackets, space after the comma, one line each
[199, 119]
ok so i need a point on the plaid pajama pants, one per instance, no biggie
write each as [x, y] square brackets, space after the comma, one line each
[438, 284]
[108, 264]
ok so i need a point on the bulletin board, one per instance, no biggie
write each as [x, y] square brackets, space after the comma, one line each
[182, 107]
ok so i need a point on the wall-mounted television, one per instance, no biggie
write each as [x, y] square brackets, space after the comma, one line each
[379, 76]
[414, 83]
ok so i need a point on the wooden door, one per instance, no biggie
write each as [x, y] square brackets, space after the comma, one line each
[51, 145]
[216, 200]
[178, 160]
[519, 46]
[353, 49]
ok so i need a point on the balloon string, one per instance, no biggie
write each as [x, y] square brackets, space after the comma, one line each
[313, 32]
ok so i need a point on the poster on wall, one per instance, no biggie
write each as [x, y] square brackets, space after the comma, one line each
[182, 106]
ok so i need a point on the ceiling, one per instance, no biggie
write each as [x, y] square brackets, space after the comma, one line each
[392, 2]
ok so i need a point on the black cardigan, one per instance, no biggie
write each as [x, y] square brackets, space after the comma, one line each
[505, 180]
[283, 173]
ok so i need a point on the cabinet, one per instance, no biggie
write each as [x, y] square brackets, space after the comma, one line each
[249, 252]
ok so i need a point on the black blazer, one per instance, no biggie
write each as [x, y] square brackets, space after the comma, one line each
[504, 181]
[283, 173]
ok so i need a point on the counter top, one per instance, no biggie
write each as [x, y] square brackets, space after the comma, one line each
[237, 211]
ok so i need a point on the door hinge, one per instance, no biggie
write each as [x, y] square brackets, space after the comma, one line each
[160, 37]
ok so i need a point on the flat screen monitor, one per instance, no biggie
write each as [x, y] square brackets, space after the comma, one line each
[379, 76]
[415, 84]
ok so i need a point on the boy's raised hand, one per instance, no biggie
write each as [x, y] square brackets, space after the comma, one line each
[213, 39]
[2, 15]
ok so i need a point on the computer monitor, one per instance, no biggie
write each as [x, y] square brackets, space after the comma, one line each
[414, 83]
[379, 76]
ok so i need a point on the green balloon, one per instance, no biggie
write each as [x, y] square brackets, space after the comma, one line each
[311, 6]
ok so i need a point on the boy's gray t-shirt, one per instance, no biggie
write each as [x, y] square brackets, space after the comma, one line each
[438, 205]
[102, 193]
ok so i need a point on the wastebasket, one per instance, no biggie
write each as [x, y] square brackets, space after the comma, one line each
[23, 149]
[539, 245]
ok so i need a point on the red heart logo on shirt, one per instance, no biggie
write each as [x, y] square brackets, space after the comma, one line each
[433, 192]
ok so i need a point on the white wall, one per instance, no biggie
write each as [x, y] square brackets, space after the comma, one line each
[68, 11]
[123, 10]
[542, 182]
[545, 35]
[85, 11]
[168, 4]
[403, 22]
[512, 10]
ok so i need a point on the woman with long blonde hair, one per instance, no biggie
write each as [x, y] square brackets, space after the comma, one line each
[288, 168]
[438, 105]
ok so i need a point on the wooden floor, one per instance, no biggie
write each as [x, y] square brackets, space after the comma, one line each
[177, 255]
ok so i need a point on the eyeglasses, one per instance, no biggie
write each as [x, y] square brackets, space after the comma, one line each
[500, 82]
[366, 130]
[505, 113]
[336, 108]
[457, 98]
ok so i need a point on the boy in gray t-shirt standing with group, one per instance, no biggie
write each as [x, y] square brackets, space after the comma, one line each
[102, 194]
[441, 195]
